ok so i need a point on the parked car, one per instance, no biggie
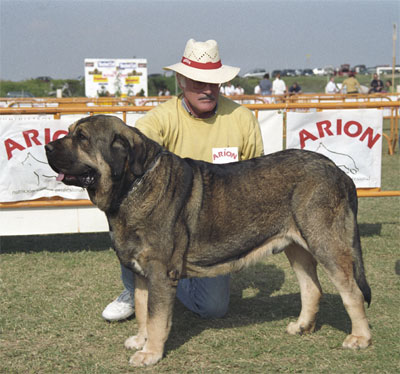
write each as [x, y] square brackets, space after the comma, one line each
[299, 72]
[360, 69]
[329, 70]
[344, 69]
[19, 94]
[255, 73]
[308, 72]
[44, 79]
[319, 71]
[288, 73]
[275, 73]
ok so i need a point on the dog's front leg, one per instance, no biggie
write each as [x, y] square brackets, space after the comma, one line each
[141, 296]
[161, 294]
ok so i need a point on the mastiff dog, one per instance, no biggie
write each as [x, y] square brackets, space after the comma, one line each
[173, 217]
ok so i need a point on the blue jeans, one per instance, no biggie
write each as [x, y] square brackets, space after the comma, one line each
[207, 297]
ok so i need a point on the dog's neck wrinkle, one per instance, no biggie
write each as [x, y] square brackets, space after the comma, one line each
[149, 168]
[130, 185]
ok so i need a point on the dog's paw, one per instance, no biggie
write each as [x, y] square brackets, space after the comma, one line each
[296, 328]
[356, 342]
[143, 358]
[135, 342]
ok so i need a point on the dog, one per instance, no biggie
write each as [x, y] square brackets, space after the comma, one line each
[173, 217]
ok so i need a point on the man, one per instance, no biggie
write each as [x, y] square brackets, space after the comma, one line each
[199, 124]
[278, 86]
[265, 85]
[331, 87]
[294, 89]
[350, 85]
[376, 84]
[228, 89]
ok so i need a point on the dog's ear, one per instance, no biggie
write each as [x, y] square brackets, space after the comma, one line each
[137, 155]
[119, 153]
[128, 151]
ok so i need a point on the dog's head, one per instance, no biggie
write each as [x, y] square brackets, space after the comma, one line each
[100, 153]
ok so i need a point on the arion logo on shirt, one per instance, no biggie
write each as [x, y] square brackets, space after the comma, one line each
[225, 155]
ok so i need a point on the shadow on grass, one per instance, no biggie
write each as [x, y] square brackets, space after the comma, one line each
[56, 243]
[370, 229]
[95, 241]
[256, 308]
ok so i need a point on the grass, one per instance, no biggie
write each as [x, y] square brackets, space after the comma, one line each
[53, 289]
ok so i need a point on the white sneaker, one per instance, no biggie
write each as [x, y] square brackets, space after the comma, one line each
[121, 308]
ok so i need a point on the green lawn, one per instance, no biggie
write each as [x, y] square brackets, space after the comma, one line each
[54, 288]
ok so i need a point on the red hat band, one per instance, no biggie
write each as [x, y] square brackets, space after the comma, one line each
[201, 65]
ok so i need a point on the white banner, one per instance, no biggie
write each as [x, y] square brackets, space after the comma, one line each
[351, 138]
[271, 125]
[25, 173]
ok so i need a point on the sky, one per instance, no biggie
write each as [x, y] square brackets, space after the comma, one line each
[53, 37]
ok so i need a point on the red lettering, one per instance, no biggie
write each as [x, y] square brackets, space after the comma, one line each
[371, 140]
[31, 135]
[59, 134]
[324, 126]
[304, 136]
[31, 139]
[358, 129]
[12, 145]
[339, 127]
[47, 139]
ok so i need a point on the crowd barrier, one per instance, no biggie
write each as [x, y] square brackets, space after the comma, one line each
[37, 102]
[113, 105]
[59, 106]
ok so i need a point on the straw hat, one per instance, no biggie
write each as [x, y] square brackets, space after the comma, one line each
[201, 62]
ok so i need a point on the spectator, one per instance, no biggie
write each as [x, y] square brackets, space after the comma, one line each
[294, 89]
[265, 85]
[376, 85]
[197, 124]
[388, 86]
[350, 85]
[331, 87]
[229, 89]
[239, 90]
[278, 86]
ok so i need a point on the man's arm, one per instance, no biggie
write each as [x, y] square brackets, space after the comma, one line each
[253, 144]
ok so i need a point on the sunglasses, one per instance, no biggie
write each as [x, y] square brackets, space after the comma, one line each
[201, 85]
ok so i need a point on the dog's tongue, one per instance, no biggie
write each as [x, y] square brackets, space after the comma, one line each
[60, 177]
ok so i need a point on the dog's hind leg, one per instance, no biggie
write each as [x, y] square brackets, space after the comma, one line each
[305, 268]
[353, 300]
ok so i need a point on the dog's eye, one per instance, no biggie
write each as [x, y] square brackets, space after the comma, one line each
[81, 135]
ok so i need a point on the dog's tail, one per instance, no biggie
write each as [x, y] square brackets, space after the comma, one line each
[358, 264]
[358, 268]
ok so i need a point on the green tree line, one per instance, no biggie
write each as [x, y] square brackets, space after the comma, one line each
[76, 87]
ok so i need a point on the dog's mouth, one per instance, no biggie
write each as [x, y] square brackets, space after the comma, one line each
[84, 180]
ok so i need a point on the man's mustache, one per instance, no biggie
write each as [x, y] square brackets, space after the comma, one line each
[208, 97]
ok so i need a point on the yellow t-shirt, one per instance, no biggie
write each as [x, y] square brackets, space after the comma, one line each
[233, 125]
[351, 85]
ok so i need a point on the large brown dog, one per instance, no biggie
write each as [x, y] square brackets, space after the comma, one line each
[172, 218]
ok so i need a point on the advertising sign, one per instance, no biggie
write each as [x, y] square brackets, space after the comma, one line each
[115, 77]
[25, 172]
[350, 138]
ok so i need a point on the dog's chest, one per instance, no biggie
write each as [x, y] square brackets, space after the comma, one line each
[127, 249]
